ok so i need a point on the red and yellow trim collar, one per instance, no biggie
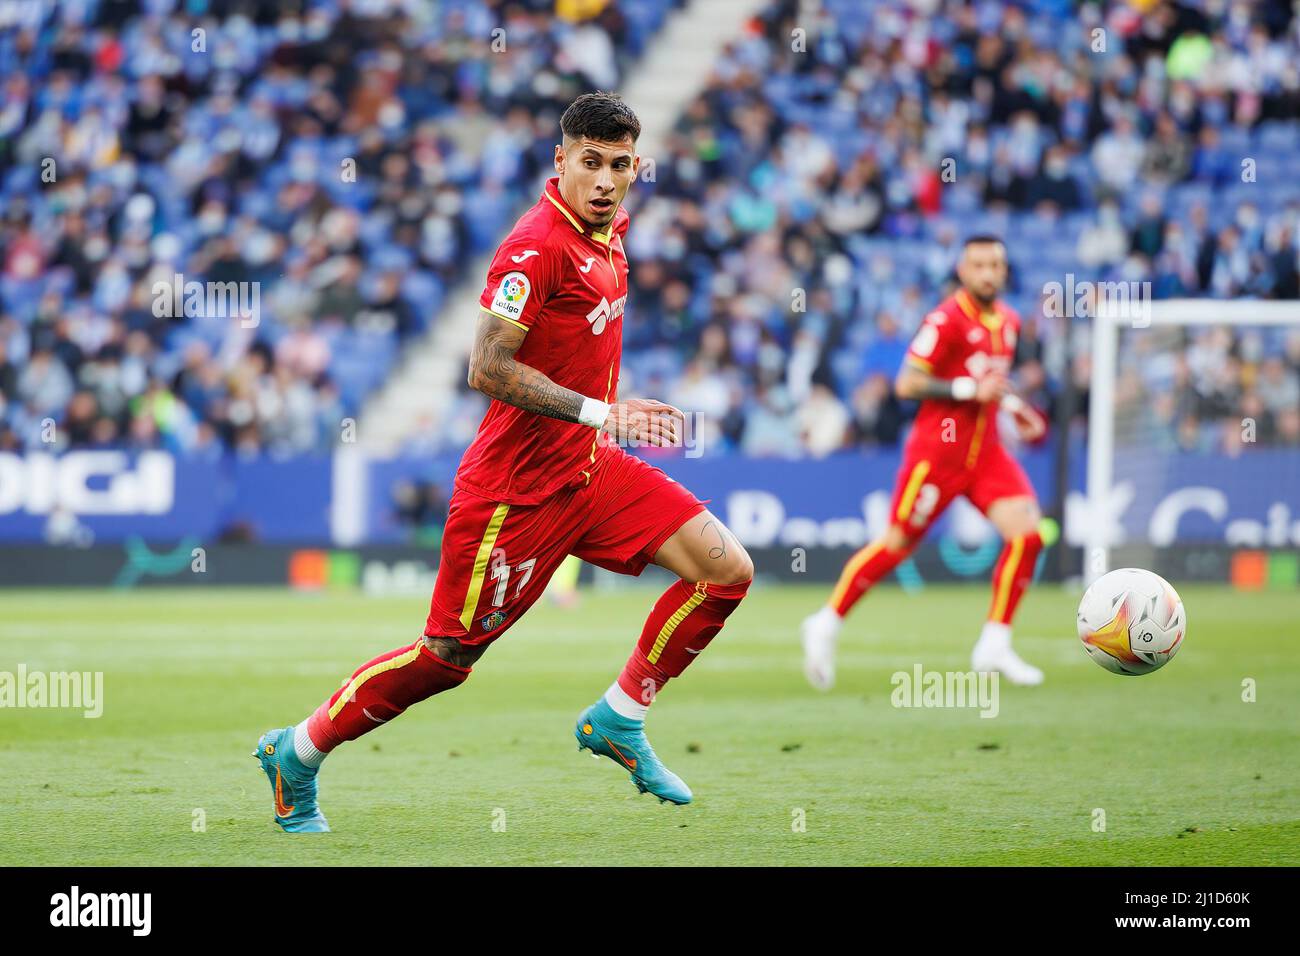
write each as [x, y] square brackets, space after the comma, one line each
[991, 319]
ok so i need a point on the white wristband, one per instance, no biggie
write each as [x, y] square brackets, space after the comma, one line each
[964, 388]
[1012, 403]
[594, 412]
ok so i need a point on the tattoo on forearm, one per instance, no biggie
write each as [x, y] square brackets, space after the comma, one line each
[718, 551]
[505, 379]
[927, 386]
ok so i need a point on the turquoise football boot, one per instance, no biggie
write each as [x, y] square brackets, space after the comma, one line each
[292, 783]
[605, 732]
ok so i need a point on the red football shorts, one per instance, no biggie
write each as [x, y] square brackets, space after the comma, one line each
[497, 558]
[931, 477]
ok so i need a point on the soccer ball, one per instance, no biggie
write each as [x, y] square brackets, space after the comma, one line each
[1131, 621]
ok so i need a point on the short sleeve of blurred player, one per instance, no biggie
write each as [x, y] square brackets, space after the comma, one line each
[931, 344]
[519, 281]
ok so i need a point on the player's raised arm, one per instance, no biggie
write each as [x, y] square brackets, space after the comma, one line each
[494, 371]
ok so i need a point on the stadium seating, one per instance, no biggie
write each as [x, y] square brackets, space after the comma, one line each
[135, 146]
[818, 159]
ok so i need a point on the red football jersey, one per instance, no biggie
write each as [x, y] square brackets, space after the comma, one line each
[957, 339]
[566, 285]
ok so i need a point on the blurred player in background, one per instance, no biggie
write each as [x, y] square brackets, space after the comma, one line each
[546, 478]
[957, 367]
[563, 589]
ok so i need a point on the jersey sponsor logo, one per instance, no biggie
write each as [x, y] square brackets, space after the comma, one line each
[605, 313]
[512, 295]
[586, 267]
[524, 255]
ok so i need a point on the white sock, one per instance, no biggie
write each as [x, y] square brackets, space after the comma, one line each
[305, 749]
[828, 619]
[995, 636]
[622, 704]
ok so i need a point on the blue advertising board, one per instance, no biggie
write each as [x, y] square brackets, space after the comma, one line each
[1251, 500]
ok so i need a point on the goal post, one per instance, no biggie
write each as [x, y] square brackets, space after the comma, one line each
[1120, 437]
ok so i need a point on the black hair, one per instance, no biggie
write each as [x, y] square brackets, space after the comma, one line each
[601, 116]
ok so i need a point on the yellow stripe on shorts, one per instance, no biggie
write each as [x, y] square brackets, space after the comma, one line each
[481, 565]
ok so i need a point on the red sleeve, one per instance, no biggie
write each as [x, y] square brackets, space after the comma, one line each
[519, 281]
[931, 344]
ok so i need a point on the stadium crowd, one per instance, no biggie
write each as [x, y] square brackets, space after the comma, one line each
[1162, 148]
[806, 216]
[345, 159]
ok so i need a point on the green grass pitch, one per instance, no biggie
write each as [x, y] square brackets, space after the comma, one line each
[1186, 772]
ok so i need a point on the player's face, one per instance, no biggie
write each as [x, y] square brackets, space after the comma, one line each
[983, 270]
[595, 176]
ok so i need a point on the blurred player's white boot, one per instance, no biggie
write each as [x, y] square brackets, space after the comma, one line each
[820, 633]
[993, 653]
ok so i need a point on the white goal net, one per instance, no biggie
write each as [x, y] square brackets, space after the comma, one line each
[1194, 440]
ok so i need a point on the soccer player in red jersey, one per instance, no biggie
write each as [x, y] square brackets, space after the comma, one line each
[545, 478]
[957, 367]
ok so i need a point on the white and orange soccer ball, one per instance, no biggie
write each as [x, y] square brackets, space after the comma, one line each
[1131, 621]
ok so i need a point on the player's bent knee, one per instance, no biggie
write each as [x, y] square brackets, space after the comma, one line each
[896, 540]
[736, 568]
[1032, 515]
[453, 651]
[1024, 523]
[1015, 517]
[739, 569]
[1020, 530]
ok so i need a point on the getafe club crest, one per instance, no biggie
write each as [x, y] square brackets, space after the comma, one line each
[493, 620]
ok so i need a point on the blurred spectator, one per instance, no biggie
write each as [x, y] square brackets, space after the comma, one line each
[421, 507]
